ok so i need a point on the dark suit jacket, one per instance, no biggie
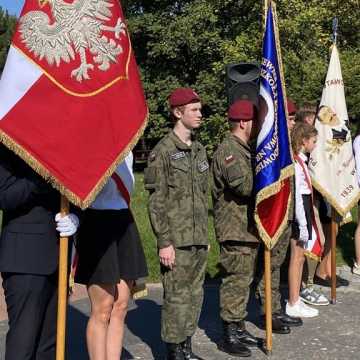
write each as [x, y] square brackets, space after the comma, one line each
[29, 240]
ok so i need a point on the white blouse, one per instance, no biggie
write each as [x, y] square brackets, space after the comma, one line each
[356, 148]
[301, 188]
[109, 198]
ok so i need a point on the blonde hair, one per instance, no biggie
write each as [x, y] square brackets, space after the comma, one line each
[299, 133]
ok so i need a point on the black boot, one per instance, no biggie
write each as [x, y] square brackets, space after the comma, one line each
[187, 350]
[174, 352]
[231, 343]
[246, 338]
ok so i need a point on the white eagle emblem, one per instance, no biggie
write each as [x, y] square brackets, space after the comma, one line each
[78, 27]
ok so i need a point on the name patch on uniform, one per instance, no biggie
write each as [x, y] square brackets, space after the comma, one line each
[203, 166]
[178, 155]
[229, 159]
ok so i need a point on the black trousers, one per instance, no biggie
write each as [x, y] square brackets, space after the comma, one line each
[32, 309]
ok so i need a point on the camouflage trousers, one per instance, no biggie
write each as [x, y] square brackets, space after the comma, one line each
[183, 293]
[278, 255]
[237, 260]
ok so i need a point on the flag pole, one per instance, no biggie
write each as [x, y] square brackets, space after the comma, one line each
[333, 226]
[333, 255]
[267, 264]
[62, 288]
[268, 309]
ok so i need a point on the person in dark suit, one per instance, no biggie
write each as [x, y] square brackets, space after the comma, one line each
[29, 258]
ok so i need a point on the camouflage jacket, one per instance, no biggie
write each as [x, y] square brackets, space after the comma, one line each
[232, 191]
[177, 179]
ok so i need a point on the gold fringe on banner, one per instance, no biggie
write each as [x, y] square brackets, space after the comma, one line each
[42, 171]
[332, 201]
[310, 255]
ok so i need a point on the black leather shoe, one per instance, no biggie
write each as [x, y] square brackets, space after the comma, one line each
[289, 320]
[327, 281]
[278, 327]
[187, 350]
[246, 338]
[231, 344]
[174, 352]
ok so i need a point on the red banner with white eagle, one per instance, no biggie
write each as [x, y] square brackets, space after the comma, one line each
[71, 101]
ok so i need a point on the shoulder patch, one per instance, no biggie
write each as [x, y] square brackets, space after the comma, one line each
[152, 156]
[229, 159]
[177, 155]
[203, 166]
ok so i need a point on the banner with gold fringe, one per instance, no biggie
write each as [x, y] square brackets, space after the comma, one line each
[273, 162]
[71, 100]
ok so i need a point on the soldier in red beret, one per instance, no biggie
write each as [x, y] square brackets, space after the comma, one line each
[177, 180]
[233, 208]
[292, 114]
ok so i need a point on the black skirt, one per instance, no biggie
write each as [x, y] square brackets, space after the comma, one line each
[109, 248]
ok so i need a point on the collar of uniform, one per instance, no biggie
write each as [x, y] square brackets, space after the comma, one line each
[239, 141]
[178, 143]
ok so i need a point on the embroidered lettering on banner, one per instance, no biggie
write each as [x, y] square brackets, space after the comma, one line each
[203, 166]
[178, 155]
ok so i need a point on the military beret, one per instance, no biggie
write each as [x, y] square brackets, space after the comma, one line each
[291, 107]
[183, 96]
[241, 110]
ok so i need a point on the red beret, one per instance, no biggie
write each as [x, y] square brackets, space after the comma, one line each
[241, 110]
[291, 107]
[183, 96]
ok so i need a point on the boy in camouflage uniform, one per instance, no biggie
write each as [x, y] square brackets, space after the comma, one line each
[233, 211]
[177, 179]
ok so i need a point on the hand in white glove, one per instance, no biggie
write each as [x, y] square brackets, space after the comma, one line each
[66, 225]
[304, 234]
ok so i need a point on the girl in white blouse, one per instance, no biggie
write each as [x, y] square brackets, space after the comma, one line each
[303, 140]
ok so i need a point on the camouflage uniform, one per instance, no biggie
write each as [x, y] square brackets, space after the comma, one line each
[177, 179]
[233, 211]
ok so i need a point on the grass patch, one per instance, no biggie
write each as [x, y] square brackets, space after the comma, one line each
[345, 245]
[345, 242]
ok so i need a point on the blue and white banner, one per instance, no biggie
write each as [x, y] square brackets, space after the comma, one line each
[274, 164]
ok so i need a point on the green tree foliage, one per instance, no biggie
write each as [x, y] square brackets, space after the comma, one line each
[187, 43]
[7, 26]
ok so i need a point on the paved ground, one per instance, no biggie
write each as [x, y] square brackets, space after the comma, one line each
[333, 335]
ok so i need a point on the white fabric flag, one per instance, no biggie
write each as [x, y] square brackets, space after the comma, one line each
[332, 164]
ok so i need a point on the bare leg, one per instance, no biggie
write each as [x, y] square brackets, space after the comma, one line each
[102, 301]
[115, 332]
[295, 271]
[324, 268]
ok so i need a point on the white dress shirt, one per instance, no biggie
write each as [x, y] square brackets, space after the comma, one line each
[301, 188]
[109, 198]
[356, 148]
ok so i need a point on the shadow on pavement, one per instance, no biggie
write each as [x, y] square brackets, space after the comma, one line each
[144, 322]
[76, 329]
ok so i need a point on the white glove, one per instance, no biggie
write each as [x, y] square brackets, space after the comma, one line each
[66, 225]
[304, 233]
